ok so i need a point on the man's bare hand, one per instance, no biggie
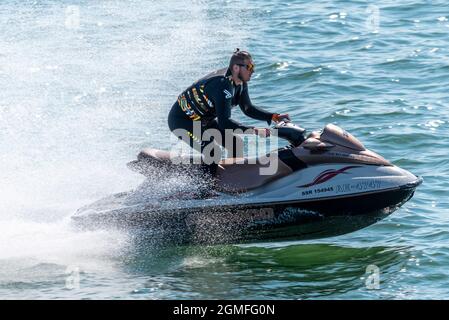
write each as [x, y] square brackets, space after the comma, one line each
[281, 117]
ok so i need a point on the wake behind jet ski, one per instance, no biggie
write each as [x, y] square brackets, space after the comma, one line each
[325, 185]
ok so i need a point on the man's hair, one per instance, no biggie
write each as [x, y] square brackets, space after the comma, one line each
[239, 57]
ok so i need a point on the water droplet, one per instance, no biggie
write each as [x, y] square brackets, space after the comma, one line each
[282, 65]
[434, 123]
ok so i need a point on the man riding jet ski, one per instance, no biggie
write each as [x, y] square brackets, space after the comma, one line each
[206, 106]
[324, 184]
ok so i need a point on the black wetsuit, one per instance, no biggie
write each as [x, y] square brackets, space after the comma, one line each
[209, 101]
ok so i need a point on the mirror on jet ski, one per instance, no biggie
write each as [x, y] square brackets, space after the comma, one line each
[290, 132]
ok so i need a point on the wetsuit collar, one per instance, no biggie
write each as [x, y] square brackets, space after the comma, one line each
[229, 76]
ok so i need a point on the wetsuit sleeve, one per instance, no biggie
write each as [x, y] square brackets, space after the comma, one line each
[223, 100]
[251, 110]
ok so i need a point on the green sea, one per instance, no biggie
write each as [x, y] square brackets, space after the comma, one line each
[87, 84]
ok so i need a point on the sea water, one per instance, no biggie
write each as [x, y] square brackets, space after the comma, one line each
[86, 84]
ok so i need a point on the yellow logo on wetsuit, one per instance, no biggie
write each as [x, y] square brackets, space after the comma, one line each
[185, 106]
[198, 100]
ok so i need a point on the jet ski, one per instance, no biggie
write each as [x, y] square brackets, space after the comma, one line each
[322, 184]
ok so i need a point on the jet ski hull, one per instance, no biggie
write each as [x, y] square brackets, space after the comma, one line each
[290, 220]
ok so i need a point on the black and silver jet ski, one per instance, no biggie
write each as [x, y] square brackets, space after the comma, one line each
[322, 185]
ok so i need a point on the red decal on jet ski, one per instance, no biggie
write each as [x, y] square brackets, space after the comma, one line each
[327, 175]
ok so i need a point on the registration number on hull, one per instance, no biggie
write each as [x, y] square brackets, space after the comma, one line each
[363, 185]
[317, 191]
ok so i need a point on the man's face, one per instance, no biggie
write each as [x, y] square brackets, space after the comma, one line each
[247, 70]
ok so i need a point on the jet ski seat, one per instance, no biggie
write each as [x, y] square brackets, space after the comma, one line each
[149, 159]
[162, 157]
[233, 175]
[243, 174]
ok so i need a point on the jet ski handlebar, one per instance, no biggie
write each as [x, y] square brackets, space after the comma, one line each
[290, 132]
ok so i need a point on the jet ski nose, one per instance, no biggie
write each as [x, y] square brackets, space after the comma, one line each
[413, 184]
